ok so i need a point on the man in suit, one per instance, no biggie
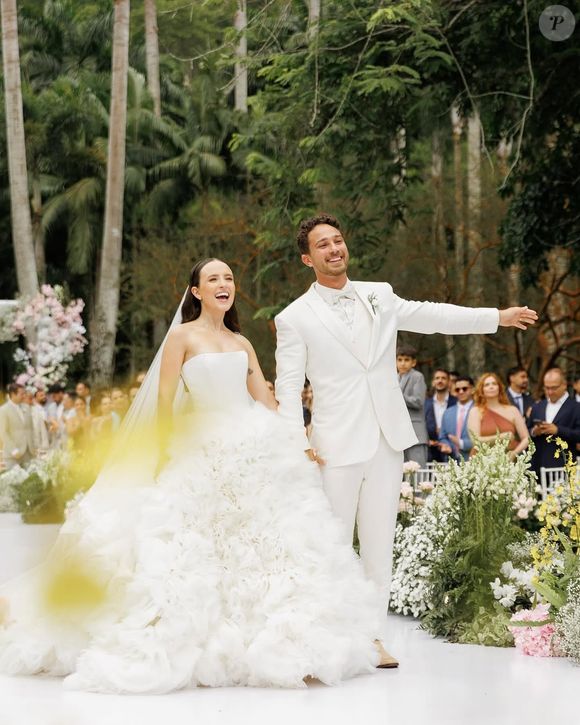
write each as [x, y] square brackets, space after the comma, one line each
[414, 390]
[517, 390]
[14, 428]
[557, 416]
[435, 406]
[342, 336]
[454, 435]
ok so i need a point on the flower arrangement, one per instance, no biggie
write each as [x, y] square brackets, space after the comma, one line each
[556, 567]
[567, 623]
[9, 480]
[537, 639]
[454, 547]
[54, 334]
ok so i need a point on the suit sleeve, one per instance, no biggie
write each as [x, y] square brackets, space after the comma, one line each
[444, 432]
[290, 373]
[429, 317]
[571, 431]
[415, 397]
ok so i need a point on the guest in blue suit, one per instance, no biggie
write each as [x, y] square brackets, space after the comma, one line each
[558, 416]
[435, 406]
[454, 435]
[517, 390]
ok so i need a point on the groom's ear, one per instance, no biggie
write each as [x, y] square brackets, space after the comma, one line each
[306, 260]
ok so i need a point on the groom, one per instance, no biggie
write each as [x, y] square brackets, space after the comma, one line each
[342, 336]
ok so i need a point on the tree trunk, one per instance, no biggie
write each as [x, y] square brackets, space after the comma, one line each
[558, 309]
[313, 18]
[459, 225]
[37, 230]
[152, 54]
[476, 348]
[241, 70]
[438, 231]
[104, 324]
[26, 273]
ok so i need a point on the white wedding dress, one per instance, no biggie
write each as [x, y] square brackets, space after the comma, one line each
[230, 571]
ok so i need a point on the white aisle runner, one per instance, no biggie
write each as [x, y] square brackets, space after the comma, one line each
[437, 684]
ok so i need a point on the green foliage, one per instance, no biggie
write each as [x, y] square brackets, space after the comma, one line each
[37, 502]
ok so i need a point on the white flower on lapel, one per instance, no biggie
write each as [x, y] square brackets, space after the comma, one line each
[373, 301]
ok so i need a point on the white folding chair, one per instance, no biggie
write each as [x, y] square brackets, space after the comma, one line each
[550, 478]
[424, 475]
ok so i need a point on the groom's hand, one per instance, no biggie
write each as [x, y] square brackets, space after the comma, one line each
[312, 454]
[519, 317]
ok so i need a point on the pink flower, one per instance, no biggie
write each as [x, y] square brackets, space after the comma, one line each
[535, 641]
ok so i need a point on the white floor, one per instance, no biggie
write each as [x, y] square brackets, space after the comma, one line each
[437, 683]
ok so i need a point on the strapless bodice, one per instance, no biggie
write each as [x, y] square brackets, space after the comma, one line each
[216, 381]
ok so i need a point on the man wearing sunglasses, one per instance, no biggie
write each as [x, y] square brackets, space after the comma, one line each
[454, 435]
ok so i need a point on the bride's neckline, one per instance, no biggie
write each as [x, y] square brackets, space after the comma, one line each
[215, 352]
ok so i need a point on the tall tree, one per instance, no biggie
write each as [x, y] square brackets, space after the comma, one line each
[26, 272]
[476, 349]
[313, 17]
[152, 54]
[104, 322]
[241, 68]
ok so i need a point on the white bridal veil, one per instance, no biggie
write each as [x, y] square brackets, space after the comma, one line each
[134, 453]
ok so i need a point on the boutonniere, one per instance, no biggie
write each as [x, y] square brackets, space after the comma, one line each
[374, 302]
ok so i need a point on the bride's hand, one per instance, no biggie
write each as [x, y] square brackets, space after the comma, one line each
[312, 454]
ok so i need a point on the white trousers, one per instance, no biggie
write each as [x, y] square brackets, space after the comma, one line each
[368, 493]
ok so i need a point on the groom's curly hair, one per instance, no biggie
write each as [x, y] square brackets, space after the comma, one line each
[307, 225]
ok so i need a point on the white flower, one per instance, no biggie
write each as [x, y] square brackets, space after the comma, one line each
[411, 467]
[373, 301]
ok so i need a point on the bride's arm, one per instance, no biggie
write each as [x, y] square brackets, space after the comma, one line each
[171, 362]
[256, 381]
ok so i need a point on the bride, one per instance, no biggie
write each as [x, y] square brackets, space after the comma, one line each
[214, 561]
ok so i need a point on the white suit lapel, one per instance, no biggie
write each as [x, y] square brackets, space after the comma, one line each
[331, 321]
[362, 291]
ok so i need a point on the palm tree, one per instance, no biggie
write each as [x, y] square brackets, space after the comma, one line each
[26, 272]
[152, 54]
[104, 321]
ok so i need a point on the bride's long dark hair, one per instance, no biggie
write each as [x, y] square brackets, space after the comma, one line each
[191, 307]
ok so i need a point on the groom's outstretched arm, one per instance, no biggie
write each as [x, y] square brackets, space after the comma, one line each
[427, 317]
[290, 373]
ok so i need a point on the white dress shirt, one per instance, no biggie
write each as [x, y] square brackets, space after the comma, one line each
[439, 408]
[341, 301]
[465, 407]
[518, 399]
[552, 409]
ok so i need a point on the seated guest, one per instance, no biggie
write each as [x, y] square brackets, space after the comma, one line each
[558, 416]
[454, 436]
[414, 389]
[435, 406]
[517, 390]
[492, 416]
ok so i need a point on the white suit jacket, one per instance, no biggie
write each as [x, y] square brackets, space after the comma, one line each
[356, 397]
[14, 430]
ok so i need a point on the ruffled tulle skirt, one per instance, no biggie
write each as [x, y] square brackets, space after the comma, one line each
[231, 570]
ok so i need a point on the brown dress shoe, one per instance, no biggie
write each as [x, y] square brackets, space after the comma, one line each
[387, 662]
